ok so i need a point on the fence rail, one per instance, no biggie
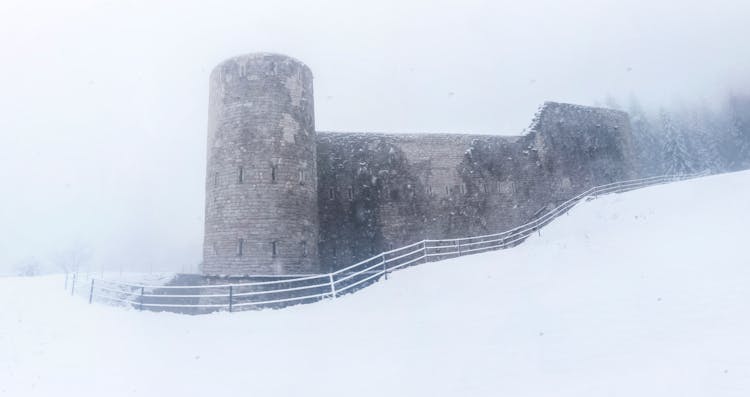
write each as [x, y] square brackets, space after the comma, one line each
[196, 299]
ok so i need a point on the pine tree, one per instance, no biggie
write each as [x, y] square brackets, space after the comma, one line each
[676, 158]
[704, 136]
[739, 132]
[645, 142]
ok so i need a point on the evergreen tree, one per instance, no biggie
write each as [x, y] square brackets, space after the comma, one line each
[646, 144]
[611, 103]
[703, 139]
[739, 132]
[676, 157]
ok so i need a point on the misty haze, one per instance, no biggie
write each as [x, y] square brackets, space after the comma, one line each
[374, 198]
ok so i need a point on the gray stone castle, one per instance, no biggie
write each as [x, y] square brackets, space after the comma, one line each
[283, 198]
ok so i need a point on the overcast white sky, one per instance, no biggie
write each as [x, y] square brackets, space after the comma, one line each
[103, 103]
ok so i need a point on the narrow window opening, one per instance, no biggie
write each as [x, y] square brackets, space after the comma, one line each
[273, 173]
[429, 189]
[241, 175]
[301, 177]
[447, 190]
[350, 192]
[274, 248]
[240, 246]
[330, 193]
[463, 188]
[304, 248]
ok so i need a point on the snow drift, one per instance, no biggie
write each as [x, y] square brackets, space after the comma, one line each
[637, 294]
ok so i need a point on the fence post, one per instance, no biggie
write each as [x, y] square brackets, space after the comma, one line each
[539, 228]
[140, 303]
[424, 250]
[333, 287]
[459, 247]
[73, 288]
[385, 266]
[91, 291]
[230, 298]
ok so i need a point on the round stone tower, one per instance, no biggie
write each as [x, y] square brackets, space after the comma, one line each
[261, 179]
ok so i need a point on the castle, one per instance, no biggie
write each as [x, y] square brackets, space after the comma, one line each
[283, 198]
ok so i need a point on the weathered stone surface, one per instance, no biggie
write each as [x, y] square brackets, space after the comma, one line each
[369, 192]
[390, 190]
[261, 185]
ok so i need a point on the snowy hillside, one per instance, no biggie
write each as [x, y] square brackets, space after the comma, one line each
[640, 294]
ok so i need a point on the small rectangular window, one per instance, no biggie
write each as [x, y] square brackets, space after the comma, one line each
[301, 177]
[241, 175]
[350, 192]
[304, 248]
[330, 193]
[273, 248]
[447, 190]
[273, 173]
[463, 188]
[429, 189]
[240, 246]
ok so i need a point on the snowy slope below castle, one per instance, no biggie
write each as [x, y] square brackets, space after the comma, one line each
[640, 294]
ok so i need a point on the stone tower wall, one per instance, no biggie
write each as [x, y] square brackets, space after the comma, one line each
[261, 185]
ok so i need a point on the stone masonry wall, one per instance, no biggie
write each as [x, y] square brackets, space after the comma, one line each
[380, 191]
[261, 184]
[282, 200]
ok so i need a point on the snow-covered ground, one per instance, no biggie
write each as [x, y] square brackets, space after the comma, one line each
[640, 294]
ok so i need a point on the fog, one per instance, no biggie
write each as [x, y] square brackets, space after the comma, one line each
[103, 104]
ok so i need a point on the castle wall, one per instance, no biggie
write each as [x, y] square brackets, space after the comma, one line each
[379, 191]
[281, 199]
[261, 180]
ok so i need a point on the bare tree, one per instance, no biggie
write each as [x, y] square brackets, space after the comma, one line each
[72, 259]
[28, 267]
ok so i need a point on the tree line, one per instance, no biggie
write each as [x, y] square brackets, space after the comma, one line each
[691, 138]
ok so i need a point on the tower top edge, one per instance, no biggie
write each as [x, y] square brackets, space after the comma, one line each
[259, 58]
